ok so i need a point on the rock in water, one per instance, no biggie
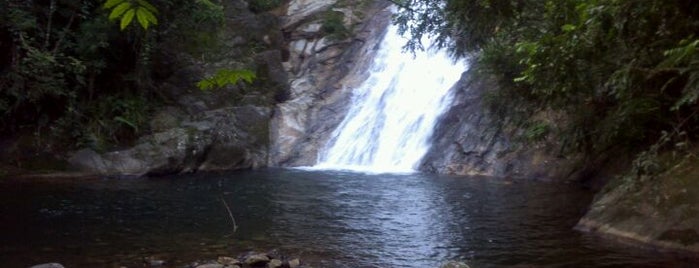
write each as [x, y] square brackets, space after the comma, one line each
[228, 260]
[294, 263]
[211, 265]
[257, 259]
[274, 263]
[48, 265]
[455, 264]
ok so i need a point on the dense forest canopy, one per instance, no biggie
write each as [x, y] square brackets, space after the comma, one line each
[624, 73]
[85, 73]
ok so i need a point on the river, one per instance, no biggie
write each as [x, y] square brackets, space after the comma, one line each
[327, 218]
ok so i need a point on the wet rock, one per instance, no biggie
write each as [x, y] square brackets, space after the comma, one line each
[321, 74]
[274, 263]
[257, 259]
[274, 254]
[469, 140]
[223, 139]
[88, 159]
[153, 261]
[630, 209]
[294, 263]
[210, 265]
[228, 260]
[48, 265]
[455, 264]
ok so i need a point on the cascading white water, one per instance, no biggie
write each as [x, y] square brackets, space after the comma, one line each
[393, 112]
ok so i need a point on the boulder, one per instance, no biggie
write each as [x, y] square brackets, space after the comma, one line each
[228, 260]
[222, 139]
[48, 265]
[257, 259]
[294, 263]
[210, 265]
[274, 263]
[660, 212]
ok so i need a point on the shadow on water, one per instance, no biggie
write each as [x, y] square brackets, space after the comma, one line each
[331, 219]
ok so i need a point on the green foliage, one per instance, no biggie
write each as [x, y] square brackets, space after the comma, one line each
[623, 71]
[334, 25]
[104, 123]
[127, 10]
[537, 131]
[65, 68]
[193, 26]
[225, 77]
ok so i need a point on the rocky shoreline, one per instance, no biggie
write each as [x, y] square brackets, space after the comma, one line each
[271, 259]
[252, 259]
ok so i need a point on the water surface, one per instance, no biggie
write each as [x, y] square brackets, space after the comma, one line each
[330, 219]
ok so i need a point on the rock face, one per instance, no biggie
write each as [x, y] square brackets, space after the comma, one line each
[223, 139]
[469, 141]
[323, 66]
[660, 212]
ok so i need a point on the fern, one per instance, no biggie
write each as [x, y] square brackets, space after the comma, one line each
[226, 77]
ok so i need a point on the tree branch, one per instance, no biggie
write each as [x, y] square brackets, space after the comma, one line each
[230, 214]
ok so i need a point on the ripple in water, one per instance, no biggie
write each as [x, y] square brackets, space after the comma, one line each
[330, 219]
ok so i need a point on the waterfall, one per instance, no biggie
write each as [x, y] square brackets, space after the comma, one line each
[393, 112]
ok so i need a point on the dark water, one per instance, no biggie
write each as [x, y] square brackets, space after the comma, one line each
[330, 219]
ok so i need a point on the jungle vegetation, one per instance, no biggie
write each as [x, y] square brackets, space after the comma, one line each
[84, 73]
[624, 74]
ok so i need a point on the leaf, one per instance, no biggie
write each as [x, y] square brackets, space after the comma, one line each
[226, 77]
[568, 28]
[148, 6]
[111, 3]
[127, 18]
[119, 10]
[150, 17]
[141, 16]
[205, 84]
[127, 122]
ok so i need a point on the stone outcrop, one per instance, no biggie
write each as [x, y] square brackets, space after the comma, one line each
[323, 67]
[223, 139]
[660, 212]
[468, 140]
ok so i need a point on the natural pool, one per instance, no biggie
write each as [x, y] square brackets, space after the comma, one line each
[327, 218]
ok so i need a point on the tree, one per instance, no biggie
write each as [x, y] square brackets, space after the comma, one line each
[624, 72]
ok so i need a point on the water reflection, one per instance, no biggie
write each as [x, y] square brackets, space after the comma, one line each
[332, 219]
